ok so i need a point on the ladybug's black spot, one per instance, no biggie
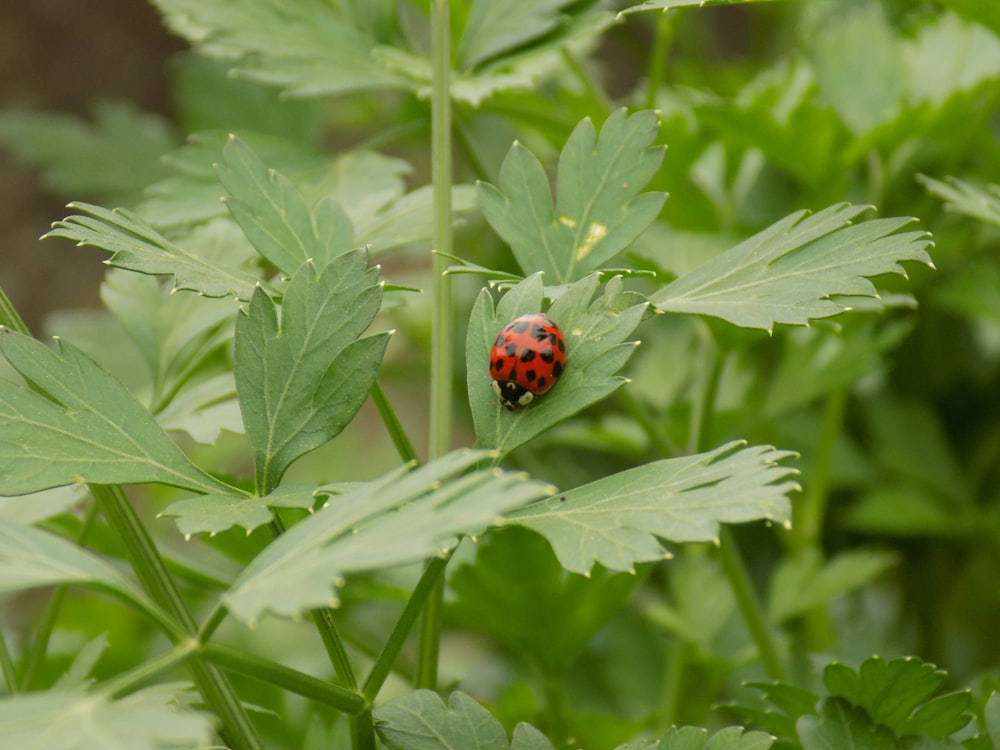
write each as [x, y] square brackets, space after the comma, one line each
[530, 376]
[511, 349]
[547, 356]
[529, 354]
[539, 333]
[561, 343]
[541, 383]
[500, 339]
[498, 364]
[557, 369]
[521, 326]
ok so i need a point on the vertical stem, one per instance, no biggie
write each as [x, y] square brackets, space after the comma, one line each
[442, 339]
[808, 513]
[7, 666]
[729, 555]
[658, 60]
[40, 646]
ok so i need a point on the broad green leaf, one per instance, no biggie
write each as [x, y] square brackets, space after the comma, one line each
[666, 5]
[401, 517]
[420, 720]
[598, 209]
[617, 521]
[302, 378]
[696, 738]
[115, 157]
[216, 512]
[596, 333]
[496, 26]
[274, 216]
[517, 591]
[135, 246]
[150, 719]
[790, 272]
[949, 56]
[981, 203]
[39, 506]
[897, 694]
[840, 725]
[89, 428]
[203, 409]
[804, 582]
[31, 558]
[308, 48]
[992, 715]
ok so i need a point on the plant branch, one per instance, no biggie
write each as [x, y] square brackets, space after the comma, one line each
[399, 437]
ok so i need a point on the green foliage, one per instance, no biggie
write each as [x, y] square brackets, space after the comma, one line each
[628, 553]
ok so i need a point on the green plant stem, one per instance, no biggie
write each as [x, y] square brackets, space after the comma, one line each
[7, 666]
[127, 683]
[730, 558]
[748, 604]
[810, 510]
[397, 638]
[554, 688]
[399, 438]
[233, 660]
[43, 633]
[599, 99]
[213, 685]
[9, 316]
[658, 59]
[443, 326]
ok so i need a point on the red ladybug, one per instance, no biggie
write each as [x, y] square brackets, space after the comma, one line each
[527, 359]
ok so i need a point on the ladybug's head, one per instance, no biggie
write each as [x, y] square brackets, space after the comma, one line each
[512, 395]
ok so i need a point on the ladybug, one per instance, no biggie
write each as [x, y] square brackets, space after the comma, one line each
[527, 358]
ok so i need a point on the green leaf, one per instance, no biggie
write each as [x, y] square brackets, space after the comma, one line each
[150, 719]
[790, 272]
[596, 349]
[665, 5]
[496, 26]
[981, 203]
[804, 582]
[174, 333]
[841, 725]
[896, 694]
[309, 48]
[116, 156]
[402, 517]
[420, 720]
[89, 428]
[598, 210]
[84, 661]
[517, 591]
[696, 738]
[216, 512]
[274, 216]
[134, 245]
[300, 380]
[31, 558]
[616, 520]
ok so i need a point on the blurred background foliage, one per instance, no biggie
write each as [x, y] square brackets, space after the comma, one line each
[766, 109]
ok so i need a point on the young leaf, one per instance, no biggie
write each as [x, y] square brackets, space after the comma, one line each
[616, 520]
[665, 5]
[308, 48]
[420, 720]
[88, 429]
[275, 217]
[696, 738]
[402, 517]
[596, 349]
[598, 209]
[147, 720]
[300, 380]
[896, 694]
[841, 725]
[517, 591]
[964, 198]
[134, 245]
[216, 512]
[494, 27]
[789, 272]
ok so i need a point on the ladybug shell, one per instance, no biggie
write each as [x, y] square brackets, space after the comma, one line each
[527, 358]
